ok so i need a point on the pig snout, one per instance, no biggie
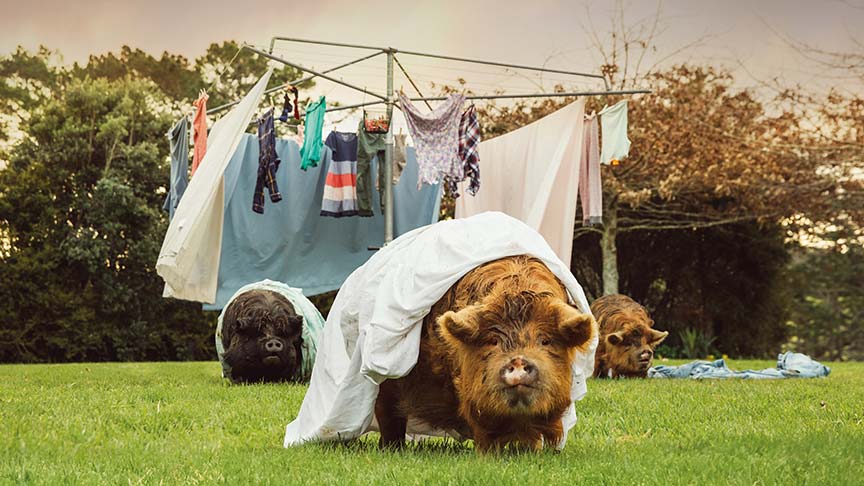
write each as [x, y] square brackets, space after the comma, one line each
[273, 346]
[519, 371]
[645, 357]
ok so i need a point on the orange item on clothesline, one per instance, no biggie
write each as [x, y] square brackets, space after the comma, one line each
[199, 131]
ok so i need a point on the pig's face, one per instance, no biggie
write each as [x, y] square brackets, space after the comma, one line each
[630, 351]
[515, 353]
[262, 337]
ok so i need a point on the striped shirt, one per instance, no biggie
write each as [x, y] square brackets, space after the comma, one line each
[340, 188]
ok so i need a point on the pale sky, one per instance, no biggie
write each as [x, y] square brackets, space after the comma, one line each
[741, 34]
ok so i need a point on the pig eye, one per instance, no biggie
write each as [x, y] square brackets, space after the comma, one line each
[546, 342]
[493, 341]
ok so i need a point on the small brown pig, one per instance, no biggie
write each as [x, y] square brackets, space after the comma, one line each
[627, 341]
[495, 360]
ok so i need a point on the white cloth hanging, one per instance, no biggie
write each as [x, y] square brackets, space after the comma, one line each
[532, 174]
[613, 126]
[373, 330]
[189, 258]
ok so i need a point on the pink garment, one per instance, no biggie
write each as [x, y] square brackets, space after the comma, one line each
[199, 130]
[532, 174]
[590, 188]
[436, 139]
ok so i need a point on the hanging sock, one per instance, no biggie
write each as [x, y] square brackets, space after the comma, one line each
[469, 142]
[268, 163]
[286, 109]
[287, 106]
[590, 187]
[199, 127]
[613, 123]
[310, 153]
[436, 138]
[296, 105]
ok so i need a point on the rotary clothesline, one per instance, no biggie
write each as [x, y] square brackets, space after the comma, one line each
[390, 100]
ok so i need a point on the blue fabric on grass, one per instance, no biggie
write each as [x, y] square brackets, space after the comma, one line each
[291, 242]
[789, 365]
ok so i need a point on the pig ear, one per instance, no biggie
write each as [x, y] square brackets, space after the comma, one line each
[460, 327]
[615, 338]
[576, 328]
[656, 337]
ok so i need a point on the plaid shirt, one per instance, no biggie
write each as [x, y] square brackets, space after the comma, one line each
[469, 142]
[268, 163]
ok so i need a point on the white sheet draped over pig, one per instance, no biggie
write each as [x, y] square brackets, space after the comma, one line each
[373, 330]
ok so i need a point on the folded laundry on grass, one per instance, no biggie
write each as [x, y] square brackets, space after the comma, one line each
[789, 365]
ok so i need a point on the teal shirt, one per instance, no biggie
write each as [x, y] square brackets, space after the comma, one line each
[310, 153]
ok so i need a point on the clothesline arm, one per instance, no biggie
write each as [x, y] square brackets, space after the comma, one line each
[298, 81]
[541, 95]
[438, 56]
[316, 73]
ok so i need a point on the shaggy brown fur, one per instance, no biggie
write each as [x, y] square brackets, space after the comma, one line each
[494, 362]
[262, 336]
[627, 342]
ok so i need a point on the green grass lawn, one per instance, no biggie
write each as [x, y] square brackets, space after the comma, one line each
[180, 423]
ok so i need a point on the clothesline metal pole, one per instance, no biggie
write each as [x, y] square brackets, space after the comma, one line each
[501, 64]
[297, 81]
[324, 43]
[311, 71]
[438, 56]
[540, 95]
[388, 155]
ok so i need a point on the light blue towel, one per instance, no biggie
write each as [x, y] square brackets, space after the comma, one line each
[789, 365]
[291, 242]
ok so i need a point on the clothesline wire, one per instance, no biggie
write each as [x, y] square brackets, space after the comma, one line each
[344, 83]
[225, 68]
[396, 59]
[297, 81]
[494, 72]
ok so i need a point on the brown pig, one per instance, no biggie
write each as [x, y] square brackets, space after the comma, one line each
[627, 341]
[495, 360]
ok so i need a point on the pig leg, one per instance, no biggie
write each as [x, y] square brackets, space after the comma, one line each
[553, 434]
[483, 442]
[390, 421]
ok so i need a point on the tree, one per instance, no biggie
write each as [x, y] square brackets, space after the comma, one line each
[79, 204]
[27, 80]
[827, 311]
[173, 74]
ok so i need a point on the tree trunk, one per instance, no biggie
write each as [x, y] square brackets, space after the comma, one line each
[609, 250]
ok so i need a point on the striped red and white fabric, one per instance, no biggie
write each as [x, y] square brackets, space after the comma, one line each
[340, 188]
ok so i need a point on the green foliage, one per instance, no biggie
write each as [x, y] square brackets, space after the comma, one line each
[695, 343]
[725, 282]
[180, 423]
[81, 223]
[80, 205]
[827, 297]
[173, 74]
[26, 80]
